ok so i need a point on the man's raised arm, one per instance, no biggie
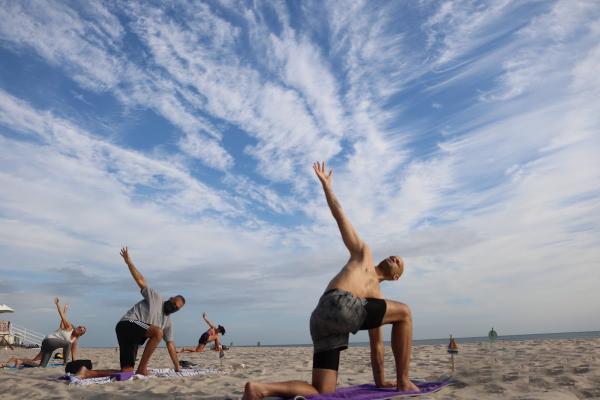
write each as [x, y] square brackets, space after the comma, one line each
[349, 235]
[139, 278]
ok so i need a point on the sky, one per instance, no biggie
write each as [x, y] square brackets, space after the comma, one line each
[464, 136]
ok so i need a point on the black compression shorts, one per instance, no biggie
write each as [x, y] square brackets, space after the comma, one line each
[130, 335]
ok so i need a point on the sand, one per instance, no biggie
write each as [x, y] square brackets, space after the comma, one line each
[543, 369]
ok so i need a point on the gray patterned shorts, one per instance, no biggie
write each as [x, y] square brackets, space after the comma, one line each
[338, 313]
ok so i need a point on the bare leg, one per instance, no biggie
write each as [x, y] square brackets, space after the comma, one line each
[18, 362]
[85, 373]
[12, 360]
[26, 362]
[400, 317]
[184, 350]
[324, 381]
[34, 362]
[198, 349]
[155, 335]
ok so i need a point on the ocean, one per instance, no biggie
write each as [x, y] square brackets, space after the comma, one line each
[474, 339]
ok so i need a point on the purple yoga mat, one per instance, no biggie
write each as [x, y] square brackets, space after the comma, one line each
[372, 392]
[122, 376]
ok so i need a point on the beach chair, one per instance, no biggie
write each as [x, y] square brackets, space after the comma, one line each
[5, 334]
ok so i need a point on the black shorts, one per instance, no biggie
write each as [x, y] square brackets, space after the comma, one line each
[203, 339]
[330, 359]
[130, 336]
[376, 309]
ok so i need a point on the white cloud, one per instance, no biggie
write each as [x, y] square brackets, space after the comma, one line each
[92, 51]
[59, 35]
[547, 51]
[305, 70]
[504, 203]
[458, 28]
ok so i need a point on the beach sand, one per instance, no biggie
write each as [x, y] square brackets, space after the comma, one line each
[532, 369]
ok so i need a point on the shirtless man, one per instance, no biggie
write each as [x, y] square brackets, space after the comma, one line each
[352, 301]
[211, 335]
[148, 321]
[65, 337]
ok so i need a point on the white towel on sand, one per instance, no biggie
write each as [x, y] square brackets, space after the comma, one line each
[152, 373]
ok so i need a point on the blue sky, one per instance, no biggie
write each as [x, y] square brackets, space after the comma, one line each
[463, 136]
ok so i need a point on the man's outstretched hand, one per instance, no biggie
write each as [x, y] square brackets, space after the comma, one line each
[320, 169]
[56, 301]
[125, 255]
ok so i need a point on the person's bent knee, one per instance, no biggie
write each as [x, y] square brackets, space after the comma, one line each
[324, 380]
[406, 313]
[397, 312]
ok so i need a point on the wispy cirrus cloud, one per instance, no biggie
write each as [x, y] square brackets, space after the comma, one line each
[463, 137]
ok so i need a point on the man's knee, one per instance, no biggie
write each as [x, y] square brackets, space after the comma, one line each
[397, 312]
[324, 380]
[405, 312]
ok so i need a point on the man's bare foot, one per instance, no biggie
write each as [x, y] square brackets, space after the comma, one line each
[82, 373]
[408, 386]
[142, 371]
[252, 391]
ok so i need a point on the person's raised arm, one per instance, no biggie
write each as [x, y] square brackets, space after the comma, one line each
[210, 324]
[63, 319]
[353, 242]
[139, 278]
[377, 352]
[65, 307]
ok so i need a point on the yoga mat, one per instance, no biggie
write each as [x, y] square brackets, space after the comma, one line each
[153, 374]
[372, 392]
[122, 376]
[51, 365]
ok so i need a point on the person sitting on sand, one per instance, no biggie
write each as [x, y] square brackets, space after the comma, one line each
[351, 302]
[65, 337]
[148, 320]
[211, 335]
